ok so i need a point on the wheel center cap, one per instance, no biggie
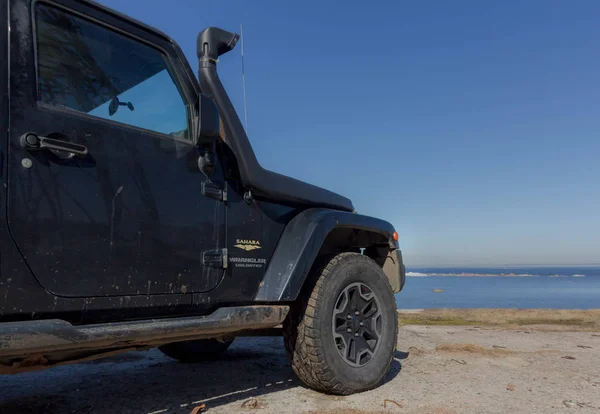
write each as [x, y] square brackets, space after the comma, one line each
[355, 323]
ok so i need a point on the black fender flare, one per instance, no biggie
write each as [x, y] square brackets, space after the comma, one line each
[299, 246]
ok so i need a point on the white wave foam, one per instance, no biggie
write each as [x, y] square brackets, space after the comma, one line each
[578, 275]
[465, 274]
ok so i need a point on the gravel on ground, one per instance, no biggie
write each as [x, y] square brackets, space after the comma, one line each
[437, 369]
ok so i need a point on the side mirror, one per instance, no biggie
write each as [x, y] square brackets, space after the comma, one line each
[208, 121]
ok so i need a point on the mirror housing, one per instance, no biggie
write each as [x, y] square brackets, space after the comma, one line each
[209, 127]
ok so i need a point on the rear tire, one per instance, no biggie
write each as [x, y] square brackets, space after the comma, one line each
[195, 351]
[341, 335]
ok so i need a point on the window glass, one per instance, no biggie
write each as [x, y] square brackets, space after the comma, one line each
[91, 69]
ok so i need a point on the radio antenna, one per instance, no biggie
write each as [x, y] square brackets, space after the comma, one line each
[244, 80]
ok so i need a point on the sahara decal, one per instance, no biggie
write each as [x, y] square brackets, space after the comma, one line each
[247, 245]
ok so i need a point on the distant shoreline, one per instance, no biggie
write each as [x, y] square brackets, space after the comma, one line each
[467, 274]
[500, 266]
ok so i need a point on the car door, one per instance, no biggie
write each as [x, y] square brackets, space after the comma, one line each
[104, 189]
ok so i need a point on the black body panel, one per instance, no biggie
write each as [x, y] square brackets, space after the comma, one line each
[3, 72]
[257, 221]
[299, 245]
[129, 218]
[263, 183]
[20, 294]
[21, 297]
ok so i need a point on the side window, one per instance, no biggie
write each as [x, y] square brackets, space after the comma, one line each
[92, 69]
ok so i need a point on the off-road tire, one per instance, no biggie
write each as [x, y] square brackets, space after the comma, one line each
[195, 351]
[309, 337]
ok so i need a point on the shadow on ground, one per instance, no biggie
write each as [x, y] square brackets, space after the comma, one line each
[149, 382]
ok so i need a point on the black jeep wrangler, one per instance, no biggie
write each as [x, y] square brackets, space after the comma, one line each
[135, 213]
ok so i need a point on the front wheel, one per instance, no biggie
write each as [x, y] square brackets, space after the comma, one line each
[341, 336]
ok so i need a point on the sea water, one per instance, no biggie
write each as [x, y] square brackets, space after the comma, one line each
[525, 287]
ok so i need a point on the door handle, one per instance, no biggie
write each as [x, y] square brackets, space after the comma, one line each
[34, 142]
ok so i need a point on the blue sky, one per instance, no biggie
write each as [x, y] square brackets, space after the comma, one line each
[474, 127]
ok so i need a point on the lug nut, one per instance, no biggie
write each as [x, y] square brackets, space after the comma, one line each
[348, 330]
[349, 316]
[355, 333]
[361, 324]
[357, 313]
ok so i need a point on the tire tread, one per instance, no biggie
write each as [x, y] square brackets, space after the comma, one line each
[302, 336]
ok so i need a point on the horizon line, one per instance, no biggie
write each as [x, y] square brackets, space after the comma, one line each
[501, 265]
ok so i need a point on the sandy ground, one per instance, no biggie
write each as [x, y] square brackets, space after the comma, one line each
[473, 370]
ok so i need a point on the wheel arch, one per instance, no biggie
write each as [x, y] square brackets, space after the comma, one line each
[321, 232]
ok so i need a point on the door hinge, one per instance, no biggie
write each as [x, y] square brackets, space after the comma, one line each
[211, 190]
[215, 258]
